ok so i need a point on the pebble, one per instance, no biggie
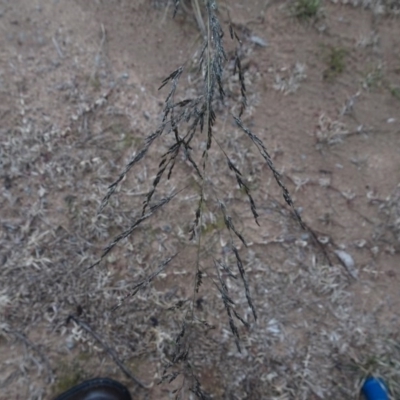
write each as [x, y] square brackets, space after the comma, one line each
[300, 210]
[323, 239]
[348, 262]
[258, 41]
[166, 228]
[70, 343]
[305, 236]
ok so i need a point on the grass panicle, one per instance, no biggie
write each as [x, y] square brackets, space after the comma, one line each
[192, 114]
[185, 119]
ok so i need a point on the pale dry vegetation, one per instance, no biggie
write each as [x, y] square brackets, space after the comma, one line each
[175, 298]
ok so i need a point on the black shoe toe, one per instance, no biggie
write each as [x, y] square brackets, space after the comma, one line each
[97, 389]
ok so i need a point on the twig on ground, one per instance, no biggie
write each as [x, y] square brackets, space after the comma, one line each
[110, 351]
[57, 46]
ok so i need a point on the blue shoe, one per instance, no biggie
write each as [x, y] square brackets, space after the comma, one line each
[375, 389]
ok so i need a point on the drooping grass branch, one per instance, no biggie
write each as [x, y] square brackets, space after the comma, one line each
[229, 303]
[264, 153]
[144, 282]
[133, 227]
[185, 120]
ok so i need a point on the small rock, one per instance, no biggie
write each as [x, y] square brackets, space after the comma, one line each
[41, 40]
[301, 243]
[299, 210]
[70, 343]
[347, 260]
[360, 243]
[323, 239]
[41, 191]
[375, 250]
[166, 228]
[258, 41]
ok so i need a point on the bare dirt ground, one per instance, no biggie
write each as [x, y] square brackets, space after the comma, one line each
[78, 95]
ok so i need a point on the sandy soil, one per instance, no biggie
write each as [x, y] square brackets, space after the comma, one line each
[78, 96]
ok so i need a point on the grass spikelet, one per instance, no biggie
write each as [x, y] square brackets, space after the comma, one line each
[162, 167]
[144, 282]
[229, 223]
[180, 352]
[197, 218]
[228, 303]
[242, 185]
[199, 280]
[238, 68]
[239, 264]
[264, 153]
[226, 269]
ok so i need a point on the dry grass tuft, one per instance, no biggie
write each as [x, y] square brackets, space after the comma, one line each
[378, 7]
